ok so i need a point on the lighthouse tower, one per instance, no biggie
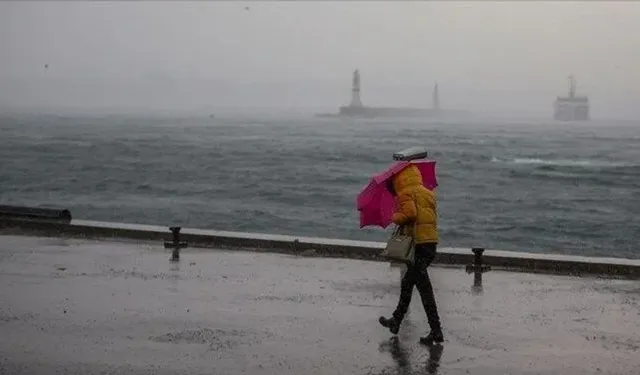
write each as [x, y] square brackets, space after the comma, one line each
[355, 90]
[435, 98]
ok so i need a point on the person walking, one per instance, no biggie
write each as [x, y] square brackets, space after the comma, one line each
[416, 213]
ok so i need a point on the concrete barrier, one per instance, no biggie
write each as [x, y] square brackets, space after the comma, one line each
[311, 246]
[35, 214]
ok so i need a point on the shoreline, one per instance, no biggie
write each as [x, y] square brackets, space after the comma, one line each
[324, 247]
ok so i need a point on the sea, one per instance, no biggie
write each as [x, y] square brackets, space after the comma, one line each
[510, 184]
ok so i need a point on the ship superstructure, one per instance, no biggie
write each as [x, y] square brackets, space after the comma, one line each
[571, 107]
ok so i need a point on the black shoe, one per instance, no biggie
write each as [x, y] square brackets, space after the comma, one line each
[433, 337]
[391, 323]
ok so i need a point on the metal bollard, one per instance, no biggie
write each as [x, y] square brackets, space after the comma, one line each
[477, 268]
[477, 260]
[477, 265]
[176, 245]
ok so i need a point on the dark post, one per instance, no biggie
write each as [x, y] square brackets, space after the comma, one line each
[477, 265]
[477, 251]
[477, 268]
[175, 244]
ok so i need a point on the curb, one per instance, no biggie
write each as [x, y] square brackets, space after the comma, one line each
[323, 247]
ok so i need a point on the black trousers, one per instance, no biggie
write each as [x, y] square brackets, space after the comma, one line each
[418, 276]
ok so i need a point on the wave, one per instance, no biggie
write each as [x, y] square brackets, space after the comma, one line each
[566, 162]
[300, 177]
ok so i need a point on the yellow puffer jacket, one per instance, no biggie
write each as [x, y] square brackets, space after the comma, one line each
[416, 204]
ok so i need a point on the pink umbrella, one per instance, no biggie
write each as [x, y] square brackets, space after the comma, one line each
[376, 204]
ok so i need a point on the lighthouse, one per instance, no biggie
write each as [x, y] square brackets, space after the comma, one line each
[357, 109]
[355, 90]
[435, 98]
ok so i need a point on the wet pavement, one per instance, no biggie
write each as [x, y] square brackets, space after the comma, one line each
[90, 307]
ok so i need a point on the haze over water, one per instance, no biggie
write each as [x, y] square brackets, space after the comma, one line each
[152, 57]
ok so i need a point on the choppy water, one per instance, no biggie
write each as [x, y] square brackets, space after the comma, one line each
[523, 186]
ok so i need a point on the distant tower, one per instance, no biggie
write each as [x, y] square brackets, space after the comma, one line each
[355, 90]
[572, 87]
[435, 98]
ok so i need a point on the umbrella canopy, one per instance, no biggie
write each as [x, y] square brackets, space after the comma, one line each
[375, 202]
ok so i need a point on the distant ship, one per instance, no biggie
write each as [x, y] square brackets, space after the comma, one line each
[357, 109]
[571, 107]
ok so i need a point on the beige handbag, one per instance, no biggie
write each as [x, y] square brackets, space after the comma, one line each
[400, 247]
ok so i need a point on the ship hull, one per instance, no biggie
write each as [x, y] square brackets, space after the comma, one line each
[571, 109]
[394, 112]
[570, 117]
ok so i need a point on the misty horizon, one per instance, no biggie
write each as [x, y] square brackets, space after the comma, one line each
[202, 57]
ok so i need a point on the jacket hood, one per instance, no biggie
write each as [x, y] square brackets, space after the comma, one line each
[407, 178]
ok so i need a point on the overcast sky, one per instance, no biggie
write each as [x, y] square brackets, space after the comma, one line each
[512, 56]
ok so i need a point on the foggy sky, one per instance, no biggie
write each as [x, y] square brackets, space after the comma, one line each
[503, 56]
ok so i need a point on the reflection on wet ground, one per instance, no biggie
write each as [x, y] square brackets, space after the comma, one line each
[86, 307]
[401, 355]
